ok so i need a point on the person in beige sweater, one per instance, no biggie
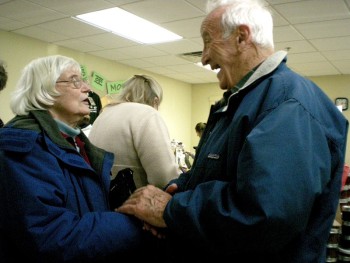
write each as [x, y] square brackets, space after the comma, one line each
[131, 127]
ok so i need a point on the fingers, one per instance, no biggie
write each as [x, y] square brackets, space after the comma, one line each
[172, 189]
[147, 204]
[155, 231]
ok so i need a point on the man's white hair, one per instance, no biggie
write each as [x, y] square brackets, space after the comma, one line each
[252, 13]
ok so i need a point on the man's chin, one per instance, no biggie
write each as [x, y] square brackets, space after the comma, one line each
[222, 82]
[223, 85]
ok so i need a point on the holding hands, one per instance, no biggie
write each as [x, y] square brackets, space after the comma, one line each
[148, 204]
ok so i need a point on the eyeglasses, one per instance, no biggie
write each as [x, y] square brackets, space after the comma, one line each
[77, 82]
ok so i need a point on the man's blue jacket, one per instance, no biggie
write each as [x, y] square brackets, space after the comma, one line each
[266, 179]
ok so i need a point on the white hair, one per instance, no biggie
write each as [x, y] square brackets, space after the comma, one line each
[35, 89]
[252, 13]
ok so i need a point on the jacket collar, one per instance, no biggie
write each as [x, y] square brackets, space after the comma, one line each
[48, 125]
[266, 67]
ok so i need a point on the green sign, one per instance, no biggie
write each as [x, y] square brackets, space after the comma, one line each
[98, 81]
[114, 87]
[84, 72]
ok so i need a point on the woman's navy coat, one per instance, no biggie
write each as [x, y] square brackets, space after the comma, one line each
[53, 205]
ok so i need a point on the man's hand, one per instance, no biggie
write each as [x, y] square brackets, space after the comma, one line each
[147, 203]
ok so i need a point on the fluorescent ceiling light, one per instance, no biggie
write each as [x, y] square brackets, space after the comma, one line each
[207, 67]
[127, 25]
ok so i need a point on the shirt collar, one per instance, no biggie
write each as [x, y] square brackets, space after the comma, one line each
[264, 68]
[63, 127]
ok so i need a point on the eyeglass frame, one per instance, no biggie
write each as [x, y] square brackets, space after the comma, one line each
[75, 81]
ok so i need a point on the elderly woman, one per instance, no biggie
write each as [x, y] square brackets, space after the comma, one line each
[132, 128]
[54, 183]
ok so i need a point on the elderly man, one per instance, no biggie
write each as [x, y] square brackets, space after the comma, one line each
[265, 183]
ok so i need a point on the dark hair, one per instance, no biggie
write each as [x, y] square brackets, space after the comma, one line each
[200, 126]
[3, 76]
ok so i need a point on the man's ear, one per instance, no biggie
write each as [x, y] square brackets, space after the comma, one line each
[243, 33]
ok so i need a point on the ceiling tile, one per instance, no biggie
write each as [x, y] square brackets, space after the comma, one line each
[71, 27]
[77, 45]
[75, 7]
[111, 54]
[313, 10]
[336, 43]
[136, 63]
[142, 51]
[41, 34]
[27, 12]
[187, 28]
[325, 29]
[10, 24]
[343, 66]
[166, 60]
[165, 11]
[286, 33]
[316, 68]
[305, 57]
[299, 46]
[178, 47]
[108, 40]
[337, 55]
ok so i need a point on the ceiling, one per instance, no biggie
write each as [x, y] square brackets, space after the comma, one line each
[316, 32]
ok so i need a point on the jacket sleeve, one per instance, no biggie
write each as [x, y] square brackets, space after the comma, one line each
[181, 181]
[283, 168]
[41, 220]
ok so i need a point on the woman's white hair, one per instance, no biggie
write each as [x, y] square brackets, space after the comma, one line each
[35, 90]
[252, 13]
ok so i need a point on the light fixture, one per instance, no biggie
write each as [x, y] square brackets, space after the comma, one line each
[127, 25]
[207, 67]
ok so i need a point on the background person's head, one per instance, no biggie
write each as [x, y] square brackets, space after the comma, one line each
[200, 126]
[3, 76]
[141, 89]
[52, 83]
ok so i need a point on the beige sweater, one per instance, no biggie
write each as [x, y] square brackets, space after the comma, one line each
[139, 138]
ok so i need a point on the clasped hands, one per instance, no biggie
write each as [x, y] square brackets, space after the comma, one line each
[148, 204]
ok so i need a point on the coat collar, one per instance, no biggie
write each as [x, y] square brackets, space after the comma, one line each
[266, 67]
[50, 127]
